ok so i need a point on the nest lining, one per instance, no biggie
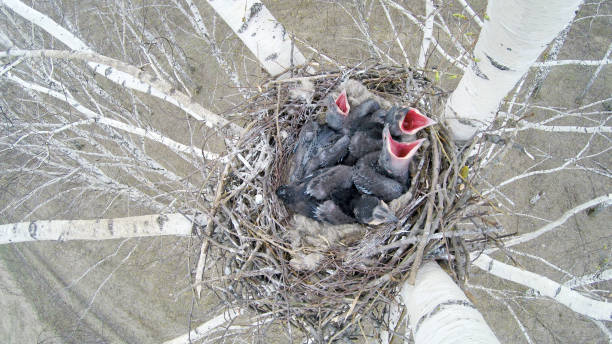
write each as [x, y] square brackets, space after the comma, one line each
[342, 272]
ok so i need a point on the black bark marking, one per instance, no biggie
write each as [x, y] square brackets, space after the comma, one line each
[490, 267]
[467, 122]
[161, 220]
[558, 291]
[478, 72]
[497, 64]
[33, 229]
[108, 71]
[440, 307]
[255, 9]
[272, 57]
[110, 227]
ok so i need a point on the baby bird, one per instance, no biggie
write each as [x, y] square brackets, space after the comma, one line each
[337, 111]
[360, 116]
[304, 149]
[369, 181]
[364, 142]
[311, 196]
[372, 211]
[329, 156]
[395, 156]
[331, 213]
[328, 180]
[406, 122]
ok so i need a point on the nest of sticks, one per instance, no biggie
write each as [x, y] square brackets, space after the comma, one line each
[325, 278]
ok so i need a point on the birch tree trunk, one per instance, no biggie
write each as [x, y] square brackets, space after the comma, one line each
[509, 44]
[265, 37]
[440, 312]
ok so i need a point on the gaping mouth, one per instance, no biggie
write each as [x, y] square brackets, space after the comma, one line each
[414, 121]
[403, 150]
[343, 104]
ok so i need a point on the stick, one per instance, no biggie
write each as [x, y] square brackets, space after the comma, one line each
[430, 205]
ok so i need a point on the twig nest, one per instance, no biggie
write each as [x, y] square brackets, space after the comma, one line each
[307, 235]
[297, 268]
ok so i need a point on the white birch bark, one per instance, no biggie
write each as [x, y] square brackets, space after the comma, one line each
[510, 42]
[103, 229]
[427, 33]
[206, 328]
[265, 37]
[575, 301]
[439, 311]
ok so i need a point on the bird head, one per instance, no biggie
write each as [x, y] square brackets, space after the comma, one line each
[373, 211]
[410, 121]
[342, 103]
[396, 156]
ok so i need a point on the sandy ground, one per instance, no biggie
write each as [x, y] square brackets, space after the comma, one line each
[137, 291]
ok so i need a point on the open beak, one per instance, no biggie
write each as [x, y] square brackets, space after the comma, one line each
[400, 153]
[343, 104]
[413, 121]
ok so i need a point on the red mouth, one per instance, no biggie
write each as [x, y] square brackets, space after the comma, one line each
[414, 121]
[343, 104]
[404, 150]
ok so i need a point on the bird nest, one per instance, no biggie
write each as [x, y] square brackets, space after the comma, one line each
[322, 278]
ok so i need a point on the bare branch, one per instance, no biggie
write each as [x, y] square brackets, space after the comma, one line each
[575, 301]
[105, 229]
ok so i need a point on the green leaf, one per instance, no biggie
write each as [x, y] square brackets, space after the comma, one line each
[459, 15]
[464, 172]
[476, 59]
[469, 33]
[437, 76]
[452, 76]
[486, 17]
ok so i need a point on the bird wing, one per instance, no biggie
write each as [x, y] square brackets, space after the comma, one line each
[333, 178]
[363, 143]
[329, 212]
[369, 182]
[329, 156]
[304, 149]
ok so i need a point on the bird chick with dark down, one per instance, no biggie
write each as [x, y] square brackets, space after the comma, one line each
[395, 156]
[329, 156]
[360, 115]
[337, 111]
[369, 181]
[364, 142]
[372, 211]
[311, 196]
[356, 190]
[406, 122]
[304, 150]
